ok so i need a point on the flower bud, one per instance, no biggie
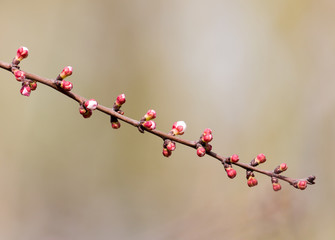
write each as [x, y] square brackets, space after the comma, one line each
[116, 125]
[201, 151]
[82, 110]
[66, 85]
[231, 172]
[302, 184]
[171, 146]
[276, 186]
[121, 99]
[88, 113]
[33, 85]
[151, 114]
[150, 125]
[258, 160]
[179, 128]
[166, 152]
[234, 158]
[207, 138]
[91, 104]
[25, 90]
[207, 131]
[67, 71]
[20, 75]
[281, 168]
[252, 181]
[208, 147]
[21, 53]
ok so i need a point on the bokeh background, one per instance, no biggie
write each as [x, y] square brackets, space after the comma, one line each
[259, 73]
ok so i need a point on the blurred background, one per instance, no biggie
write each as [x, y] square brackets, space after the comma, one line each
[260, 74]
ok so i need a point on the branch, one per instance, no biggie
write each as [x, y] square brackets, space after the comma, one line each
[29, 83]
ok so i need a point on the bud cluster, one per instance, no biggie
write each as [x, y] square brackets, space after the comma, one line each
[60, 82]
[147, 121]
[251, 180]
[27, 84]
[87, 108]
[203, 145]
[120, 100]
[178, 128]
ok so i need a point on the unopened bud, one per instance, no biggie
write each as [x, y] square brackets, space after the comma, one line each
[171, 146]
[20, 75]
[231, 172]
[25, 90]
[33, 85]
[302, 184]
[67, 71]
[201, 151]
[151, 114]
[252, 181]
[21, 53]
[91, 104]
[234, 158]
[66, 85]
[179, 128]
[281, 168]
[121, 99]
[150, 125]
[166, 152]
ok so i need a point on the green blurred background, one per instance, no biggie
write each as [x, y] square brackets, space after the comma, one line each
[259, 73]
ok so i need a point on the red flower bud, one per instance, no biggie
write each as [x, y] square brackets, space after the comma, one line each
[276, 186]
[281, 168]
[231, 172]
[260, 158]
[207, 138]
[179, 128]
[33, 85]
[166, 152]
[302, 184]
[151, 114]
[20, 75]
[201, 151]
[67, 86]
[208, 147]
[234, 158]
[91, 104]
[116, 125]
[25, 90]
[150, 125]
[207, 131]
[252, 181]
[121, 99]
[21, 53]
[67, 71]
[171, 146]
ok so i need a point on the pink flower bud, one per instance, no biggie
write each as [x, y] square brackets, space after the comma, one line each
[91, 104]
[302, 184]
[150, 125]
[66, 85]
[166, 152]
[201, 151]
[21, 53]
[207, 138]
[283, 167]
[234, 158]
[276, 186]
[252, 181]
[121, 99]
[20, 75]
[231, 172]
[33, 85]
[67, 71]
[82, 110]
[207, 131]
[179, 128]
[116, 125]
[25, 90]
[171, 146]
[151, 114]
[260, 158]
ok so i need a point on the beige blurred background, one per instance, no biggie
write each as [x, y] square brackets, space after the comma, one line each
[259, 73]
